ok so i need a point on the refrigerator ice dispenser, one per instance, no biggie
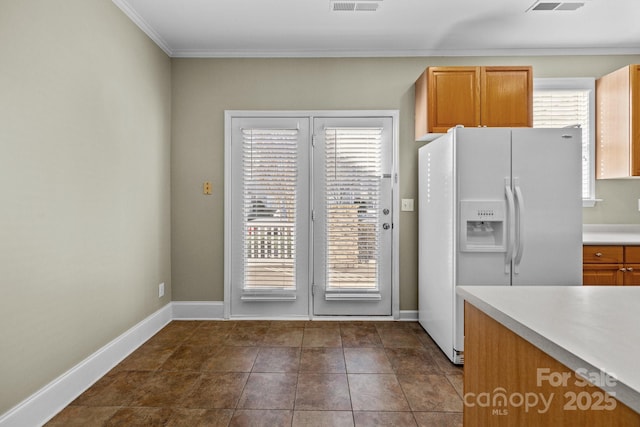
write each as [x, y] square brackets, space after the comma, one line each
[482, 226]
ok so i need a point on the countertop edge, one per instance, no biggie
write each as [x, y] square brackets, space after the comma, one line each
[611, 234]
[620, 390]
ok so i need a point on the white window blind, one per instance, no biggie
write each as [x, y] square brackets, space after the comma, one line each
[352, 196]
[569, 102]
[270, 174]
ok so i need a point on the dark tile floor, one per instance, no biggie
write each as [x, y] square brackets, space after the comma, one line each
[277, 373]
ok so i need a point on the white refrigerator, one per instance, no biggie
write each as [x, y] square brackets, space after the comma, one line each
[497, 206]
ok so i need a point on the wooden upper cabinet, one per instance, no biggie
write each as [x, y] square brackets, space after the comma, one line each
[473, 96]
[618, 124]
[507, 96]
[453, 97]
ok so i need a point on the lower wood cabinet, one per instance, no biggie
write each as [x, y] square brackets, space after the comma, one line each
[610, 265]
[501, 368]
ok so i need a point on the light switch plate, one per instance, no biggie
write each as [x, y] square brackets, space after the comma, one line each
[407, 205]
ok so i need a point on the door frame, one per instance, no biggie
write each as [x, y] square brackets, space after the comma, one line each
[395, 196]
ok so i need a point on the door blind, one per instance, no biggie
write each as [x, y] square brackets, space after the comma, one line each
[352, 195]
[562, 108]
[270, 173]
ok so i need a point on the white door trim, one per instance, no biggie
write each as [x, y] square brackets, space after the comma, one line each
[395, 264]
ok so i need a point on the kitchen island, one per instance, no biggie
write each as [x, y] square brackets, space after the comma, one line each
[551, 356]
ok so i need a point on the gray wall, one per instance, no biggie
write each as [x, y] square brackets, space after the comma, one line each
[85, 107]
[204, 88]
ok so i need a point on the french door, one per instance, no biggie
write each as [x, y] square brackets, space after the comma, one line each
[352, 210]
[270, 207]
[309, 215]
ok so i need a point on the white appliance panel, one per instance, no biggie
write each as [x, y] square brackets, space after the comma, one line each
[436, 275]
[483, 162]
[550, 223]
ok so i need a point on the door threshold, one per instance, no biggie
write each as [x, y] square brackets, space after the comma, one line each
[319, 318]
[353, 318]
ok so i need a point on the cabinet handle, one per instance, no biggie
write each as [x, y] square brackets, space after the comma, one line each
[623, 269]
[629, 268]
[598, 254]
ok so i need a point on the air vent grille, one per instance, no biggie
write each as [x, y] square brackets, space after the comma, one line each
[545, 6]
[569, 6]
[344, 5]
[355, 6]
[542, 5]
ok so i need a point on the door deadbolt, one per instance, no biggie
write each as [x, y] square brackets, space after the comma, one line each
[386, 226]
[385, 211]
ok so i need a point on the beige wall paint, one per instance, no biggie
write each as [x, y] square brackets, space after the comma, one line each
[85, 162]
[84, 177]
[204, 88]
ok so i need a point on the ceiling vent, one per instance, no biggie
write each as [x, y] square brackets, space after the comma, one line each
[355, 6]
[542, 5]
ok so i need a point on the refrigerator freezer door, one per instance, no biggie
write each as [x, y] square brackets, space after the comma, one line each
[483, 162]
[547, 177]
[483, 165]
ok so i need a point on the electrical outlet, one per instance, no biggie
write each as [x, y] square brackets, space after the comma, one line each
[161, 290]
[407, 205]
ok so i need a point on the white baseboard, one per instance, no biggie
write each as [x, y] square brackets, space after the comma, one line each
[408, 315]
[55, 396]
[202, 310]
[197, 310]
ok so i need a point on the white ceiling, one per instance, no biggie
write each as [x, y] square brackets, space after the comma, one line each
[309, 28]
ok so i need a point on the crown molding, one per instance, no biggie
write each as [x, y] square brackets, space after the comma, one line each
[329, 53]
[143, 25]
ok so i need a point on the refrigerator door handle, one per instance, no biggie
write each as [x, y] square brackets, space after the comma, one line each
[511, 212]
[520, 226]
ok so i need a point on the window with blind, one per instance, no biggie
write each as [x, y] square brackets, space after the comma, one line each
[270, 174]
[352, 196]
[570, 102]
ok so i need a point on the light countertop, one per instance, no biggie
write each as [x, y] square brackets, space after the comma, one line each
[596, 328]
[611, 234]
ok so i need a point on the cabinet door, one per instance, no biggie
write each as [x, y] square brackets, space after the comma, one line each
[634, 78]
[632, 275]
[453, 97]
[614, 124]
[506, 95]
[632, 265]
[602, 274]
